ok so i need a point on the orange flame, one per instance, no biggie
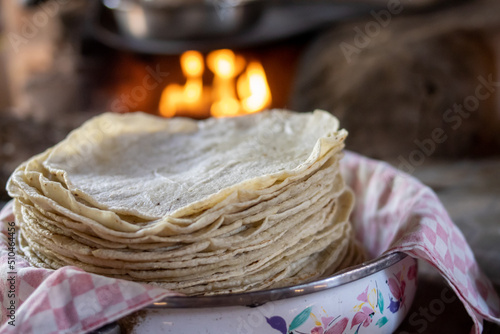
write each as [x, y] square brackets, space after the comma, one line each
[253, 93]
[253, 88]
[190, 96]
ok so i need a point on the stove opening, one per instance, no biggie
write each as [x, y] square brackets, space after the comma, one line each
[237, 86]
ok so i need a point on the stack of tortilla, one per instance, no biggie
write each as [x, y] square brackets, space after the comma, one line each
[200, 207]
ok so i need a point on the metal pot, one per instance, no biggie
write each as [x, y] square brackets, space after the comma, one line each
[171, 20]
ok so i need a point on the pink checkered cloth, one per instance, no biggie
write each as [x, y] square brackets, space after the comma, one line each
[394, 212]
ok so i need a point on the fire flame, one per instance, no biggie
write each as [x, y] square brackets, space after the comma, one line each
[253, 88]
[190, 96]
[229, 94]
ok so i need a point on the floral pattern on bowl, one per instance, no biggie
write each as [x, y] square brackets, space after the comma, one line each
[368, 310]
[373, 304]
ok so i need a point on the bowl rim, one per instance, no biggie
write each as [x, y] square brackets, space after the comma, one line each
[257, 298]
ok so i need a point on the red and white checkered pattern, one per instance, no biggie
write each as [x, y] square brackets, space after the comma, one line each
[394, 212]
[67, 300]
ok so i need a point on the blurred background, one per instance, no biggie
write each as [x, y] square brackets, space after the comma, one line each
[416, 83]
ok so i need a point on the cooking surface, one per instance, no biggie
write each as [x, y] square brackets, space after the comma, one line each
[271, 25]
[260, 22]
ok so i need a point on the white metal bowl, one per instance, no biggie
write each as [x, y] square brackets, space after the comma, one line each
[373, 297]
